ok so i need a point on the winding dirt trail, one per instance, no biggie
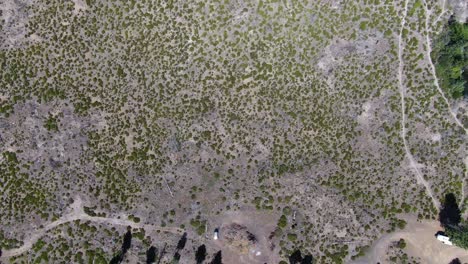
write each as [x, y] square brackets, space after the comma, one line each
[419, 177]
[78, 213]
[420, 236]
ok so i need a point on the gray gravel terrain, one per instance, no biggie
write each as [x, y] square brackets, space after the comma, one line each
[313, 125]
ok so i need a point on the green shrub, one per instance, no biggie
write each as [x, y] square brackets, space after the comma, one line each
[401, 243]
[292, 237]
[283, 221]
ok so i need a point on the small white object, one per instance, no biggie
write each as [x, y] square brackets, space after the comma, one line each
[444, 239]
[215, 236]
[258, 253]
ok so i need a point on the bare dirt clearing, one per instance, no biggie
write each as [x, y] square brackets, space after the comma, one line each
[14, 16]
[259, 225]
[421, 243]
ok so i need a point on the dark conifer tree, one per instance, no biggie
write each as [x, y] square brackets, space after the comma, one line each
[296, 257]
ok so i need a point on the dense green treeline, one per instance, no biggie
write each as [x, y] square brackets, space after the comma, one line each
[458, 235]
[450, 55]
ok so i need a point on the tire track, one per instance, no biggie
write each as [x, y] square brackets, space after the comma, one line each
[78, 213]
[413, 164]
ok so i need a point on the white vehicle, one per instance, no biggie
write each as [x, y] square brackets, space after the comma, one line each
[444, 239]
[216, 234]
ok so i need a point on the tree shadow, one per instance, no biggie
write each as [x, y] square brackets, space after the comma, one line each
[200, 255]
[296, 258]
[450, 214]
[455, 261]
[151, 255]
[218, 259]
[182, 242]
[126, 244]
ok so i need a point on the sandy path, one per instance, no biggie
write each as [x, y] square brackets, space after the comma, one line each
[420, 179]
[441, 13]
[78, 213]
[421, 242]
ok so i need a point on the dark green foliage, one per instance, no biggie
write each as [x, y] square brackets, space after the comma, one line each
[451, 58]
[51, 123]
[120, 72]
[402, 243]
[5, 108]
[89, 211]
[455, 261]
[400, 223]
[292, 237]
[458, 235]
[199, 225]
[283, 221]
[134, 218]
[10, 157]
[361, 251]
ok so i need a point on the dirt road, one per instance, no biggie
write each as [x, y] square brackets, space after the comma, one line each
[419, 177]
[77, 213]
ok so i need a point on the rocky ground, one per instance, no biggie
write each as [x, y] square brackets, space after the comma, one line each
[306, 125]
